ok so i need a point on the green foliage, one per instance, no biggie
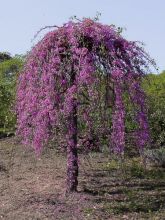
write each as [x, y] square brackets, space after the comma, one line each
[9, 69]
[154, 85]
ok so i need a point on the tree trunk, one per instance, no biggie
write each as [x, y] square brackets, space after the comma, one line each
[72, 156]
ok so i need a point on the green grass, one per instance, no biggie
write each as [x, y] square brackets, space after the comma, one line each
[129, 188]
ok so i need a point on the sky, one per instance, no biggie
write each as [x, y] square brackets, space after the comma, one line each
[142, 20]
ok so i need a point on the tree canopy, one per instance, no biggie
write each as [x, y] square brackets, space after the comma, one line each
[61, 86]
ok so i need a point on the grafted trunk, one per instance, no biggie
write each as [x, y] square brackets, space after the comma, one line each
[72, 156]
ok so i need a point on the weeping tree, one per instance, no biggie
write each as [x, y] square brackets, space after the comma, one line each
[72, 90]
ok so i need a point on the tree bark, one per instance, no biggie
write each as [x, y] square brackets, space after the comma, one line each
[72, 156]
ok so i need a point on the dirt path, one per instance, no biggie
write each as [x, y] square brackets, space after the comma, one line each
[34, 188]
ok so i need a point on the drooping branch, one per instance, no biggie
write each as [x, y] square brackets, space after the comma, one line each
[72, 80]
[118, 119]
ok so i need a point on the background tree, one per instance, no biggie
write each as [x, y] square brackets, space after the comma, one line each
[9, 68]
[154, 86]
[4, 56]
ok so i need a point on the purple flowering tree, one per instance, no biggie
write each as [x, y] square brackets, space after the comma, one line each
[67, 75]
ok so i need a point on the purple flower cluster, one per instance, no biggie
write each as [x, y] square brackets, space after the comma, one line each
[67, 62]
[118, 118]
[138, 98]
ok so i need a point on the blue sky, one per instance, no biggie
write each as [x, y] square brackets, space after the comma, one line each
[144, 20]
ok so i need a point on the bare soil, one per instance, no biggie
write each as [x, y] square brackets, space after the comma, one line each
[33, 188]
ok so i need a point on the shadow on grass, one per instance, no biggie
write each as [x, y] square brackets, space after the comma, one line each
[136, 193]
[138, 204]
